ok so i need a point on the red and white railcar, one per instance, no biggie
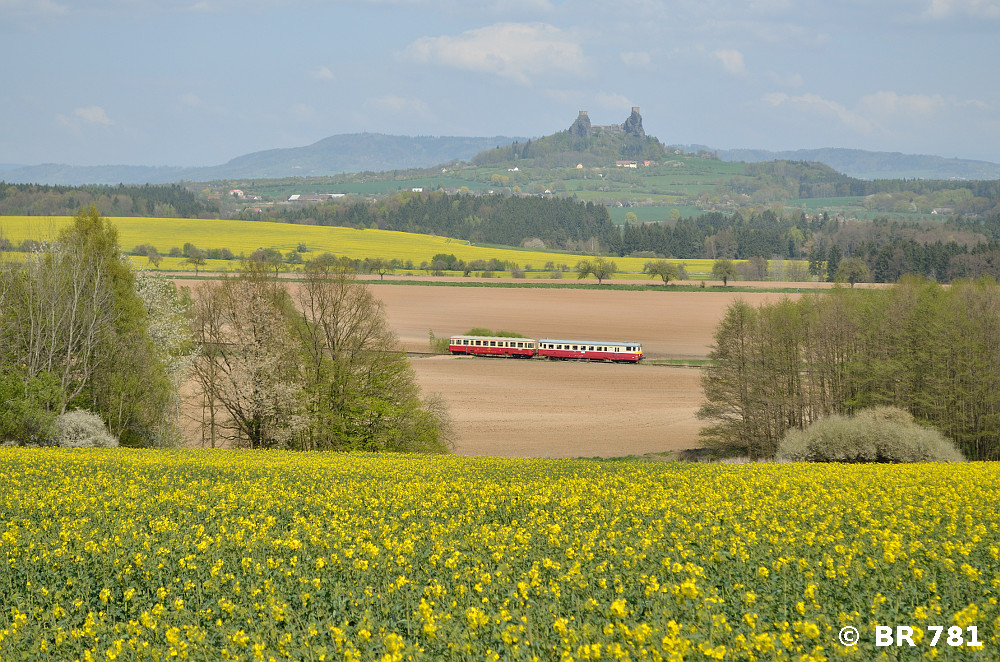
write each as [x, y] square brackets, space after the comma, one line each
[493, 346]
[593, 350]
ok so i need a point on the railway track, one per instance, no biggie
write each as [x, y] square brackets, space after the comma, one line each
[660, 363]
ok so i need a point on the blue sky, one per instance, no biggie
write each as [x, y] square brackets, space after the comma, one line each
[198, 82]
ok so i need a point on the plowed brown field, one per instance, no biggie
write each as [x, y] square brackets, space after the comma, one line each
[668, 324]
[524, 408]
[537, 408]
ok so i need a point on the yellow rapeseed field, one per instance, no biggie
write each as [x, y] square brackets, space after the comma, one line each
[247, 236]
[207, 555]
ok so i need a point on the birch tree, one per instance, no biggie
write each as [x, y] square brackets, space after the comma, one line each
[72, 318]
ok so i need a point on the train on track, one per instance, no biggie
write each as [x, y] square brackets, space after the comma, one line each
[565, 350]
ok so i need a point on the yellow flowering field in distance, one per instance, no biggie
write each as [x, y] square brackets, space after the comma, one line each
[247, 236]
[244, 555]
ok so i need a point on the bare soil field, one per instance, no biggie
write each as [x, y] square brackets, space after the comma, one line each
[668, 324]
[535, 408]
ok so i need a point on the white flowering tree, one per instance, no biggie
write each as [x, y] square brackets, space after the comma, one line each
[247, 366]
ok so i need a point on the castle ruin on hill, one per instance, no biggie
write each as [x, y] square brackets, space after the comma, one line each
[632, 126]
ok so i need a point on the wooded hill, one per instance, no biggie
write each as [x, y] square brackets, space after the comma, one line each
[564, 150]
[167, 201]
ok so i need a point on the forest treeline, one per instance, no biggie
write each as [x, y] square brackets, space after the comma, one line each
[938, 250]
[170, 201]
[933, 351]
[492, 219]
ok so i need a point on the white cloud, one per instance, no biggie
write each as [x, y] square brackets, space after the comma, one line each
[882, 111]
[400, 105]
[786, 80]
[636, 59]
[84, 117]
[942, 9]
[501, 7]
[30, 8]
[813, 104]
[322, 73]
[93, 115]
[772, 6]
[732, 61]
[302, 112]
[521, 52]
[887, 104]
[613, 100]
[563, 96]
[190, 100]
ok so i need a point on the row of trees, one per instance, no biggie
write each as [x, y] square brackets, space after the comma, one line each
[80, 328]
[317, 370]
[930, 350]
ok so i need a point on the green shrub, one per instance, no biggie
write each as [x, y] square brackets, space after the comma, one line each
[438, 345]
[499, 333]
[82, 429]
[881, 434]
[27, 416]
